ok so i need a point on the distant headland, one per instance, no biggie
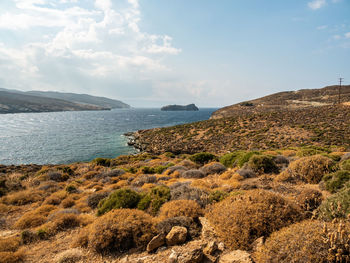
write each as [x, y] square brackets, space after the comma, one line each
[189, 107]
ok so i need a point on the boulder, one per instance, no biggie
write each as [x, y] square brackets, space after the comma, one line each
[156, 242]
[214, 168]
[176, 236]
[237, 256]
[211, 248]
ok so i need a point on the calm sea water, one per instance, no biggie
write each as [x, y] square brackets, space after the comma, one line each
[65, 137]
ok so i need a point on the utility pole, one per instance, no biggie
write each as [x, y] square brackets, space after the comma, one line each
[339, 89]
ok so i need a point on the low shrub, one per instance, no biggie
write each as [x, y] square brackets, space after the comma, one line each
[202, 158]
[34, 218]
[217, 196]
[307, 241]
[68, 202]
[312, 150]
[336, 180]
[213, 168]
[229, 159]
[10, 244]
[122, 198]
[241, 219]
[307, 169]
[102, 162]
[71, 189]
[57, 176]
[93, 199]
[345, 165]
[262, 164]
[244, 157]
[309, 199]
[12, 257]
[153, 200]
[121, 230]
[177, 208]
[335, 206]
[22, 197]
[182, 191]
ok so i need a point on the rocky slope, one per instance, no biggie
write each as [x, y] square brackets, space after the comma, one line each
[286, 101]
[324, 125]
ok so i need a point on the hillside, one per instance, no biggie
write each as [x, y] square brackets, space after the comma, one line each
[288, 100]
[189, 107]
[324, 125]
[82, 99]
[19, 102]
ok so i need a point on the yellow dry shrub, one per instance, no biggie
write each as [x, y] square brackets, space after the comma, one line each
[288, 153]
[12, 257]
[22, 197]
[68, 202]
[147, 187]
[307, 241]
[34, 218]
[177, 208]
[89, 175]
[307, 169]
[120, 230]
[4, 208]
[273, 153]
[10, 244]
[228, 174]
[239, 220]
[61, 222]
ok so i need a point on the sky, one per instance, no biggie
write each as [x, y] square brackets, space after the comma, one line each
[150, 53]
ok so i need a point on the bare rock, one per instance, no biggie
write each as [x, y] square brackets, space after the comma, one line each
[156, 242]
[208, 232]
[176, 236]
[173, 257]
[237, 256]
[210, 248]
[192, 256]
[258, 243]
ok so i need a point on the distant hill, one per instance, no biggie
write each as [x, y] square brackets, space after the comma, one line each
[288, 100]
[189, 107]
[82, 99]
[17, 102]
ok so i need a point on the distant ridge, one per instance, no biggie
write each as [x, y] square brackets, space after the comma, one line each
[15, 101]
[287, 100]
[82, 99]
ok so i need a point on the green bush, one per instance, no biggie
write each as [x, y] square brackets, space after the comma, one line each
[217, 196]
[336, 181]
[345, 165]
[202, 158]
[152, 201]
[335, 206]
[122, 198]
[312, 150]
[262, 164]
[155, 170]
[148, 170]
[245, 157]
[229, 159]
[102, 161]
[71, 189]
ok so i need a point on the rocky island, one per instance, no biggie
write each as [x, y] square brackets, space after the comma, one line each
[189, 107]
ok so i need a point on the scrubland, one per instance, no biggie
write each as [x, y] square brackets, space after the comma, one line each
[273, 205]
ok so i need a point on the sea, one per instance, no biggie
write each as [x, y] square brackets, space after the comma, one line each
[80, 136]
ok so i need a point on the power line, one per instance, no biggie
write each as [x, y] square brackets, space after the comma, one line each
[339, 88]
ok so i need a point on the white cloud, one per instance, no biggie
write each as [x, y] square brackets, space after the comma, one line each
[322, 27]
[66, 46]
[347, 35]
[317, 4]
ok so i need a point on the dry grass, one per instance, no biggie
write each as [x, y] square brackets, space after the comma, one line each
[177, 208]
[22, 197]
[120, 230]
[307, 169]
[34, 218]
[308, 241]
[10, 244]
[12, 257]
[240, 219]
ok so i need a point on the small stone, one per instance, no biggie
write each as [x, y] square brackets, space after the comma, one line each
[176, 236]
[173, 257]
[258, 243]
[221, 246]
[210, 248]
[237, 256]
[193, 256]
[156, 242]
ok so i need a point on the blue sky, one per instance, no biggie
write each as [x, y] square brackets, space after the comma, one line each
[154, 52]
